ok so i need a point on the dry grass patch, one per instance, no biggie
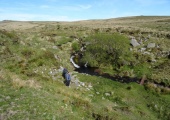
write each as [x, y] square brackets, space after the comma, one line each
[19, 83]
[29, 83]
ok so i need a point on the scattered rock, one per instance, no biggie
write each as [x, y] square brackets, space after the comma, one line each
[75, 82]
[151, 45]
[153, 58]
[97, 93]
[44, 49]
[90, 86]
[55, 47]
[90, 95]
[148, 53]
[12, 103]
[83, 84]
[107, 94]
[8, 97]
[53, 72]
[88, 89]
[22, 43]
[142, 49]
[134, 42]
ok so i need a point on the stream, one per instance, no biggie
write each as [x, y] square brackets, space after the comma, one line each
[95, 71]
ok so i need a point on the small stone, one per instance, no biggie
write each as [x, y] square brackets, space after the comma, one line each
[90, 95]
[142, 49]
[82, 84]
[44, 49]
[151, 45]
[90, 86]
[97, 93]
[88, 89]
[12, 103]
[107, 94]
[147, 53]
[8, 97]
[55, 47]
[134, 42]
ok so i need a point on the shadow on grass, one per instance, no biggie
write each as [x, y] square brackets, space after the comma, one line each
[96, 72]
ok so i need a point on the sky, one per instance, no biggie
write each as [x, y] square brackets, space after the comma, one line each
[74, 10]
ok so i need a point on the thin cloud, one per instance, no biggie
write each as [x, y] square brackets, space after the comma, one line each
[9, 9]
[21, 17]
[85, 6]
[34, 17]
[76, 7]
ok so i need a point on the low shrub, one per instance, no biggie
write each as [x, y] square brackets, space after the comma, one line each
[106, 49]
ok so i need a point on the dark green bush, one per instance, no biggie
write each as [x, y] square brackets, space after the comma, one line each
[107, 49]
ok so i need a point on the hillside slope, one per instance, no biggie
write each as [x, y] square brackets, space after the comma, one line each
[33, 54]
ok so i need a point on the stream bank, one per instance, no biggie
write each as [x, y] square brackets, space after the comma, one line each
[95, 71]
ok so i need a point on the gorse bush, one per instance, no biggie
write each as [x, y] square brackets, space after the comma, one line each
[107, 49]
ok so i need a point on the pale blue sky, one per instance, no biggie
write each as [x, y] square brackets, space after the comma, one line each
[72, 10]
